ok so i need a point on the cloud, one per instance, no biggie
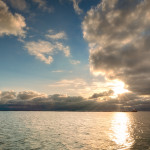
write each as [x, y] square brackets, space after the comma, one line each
[75, 62]
[43, 50]
[40, 49]
[18, 4]
[7, 95]
[77, 86]
[76, 6]
[61, 71]
[118, 36]
[63, 48]
[29, 95]
[102, 94]
[32, 100]
[57, 36]
[76, 83]
[43, 5]
[11, 24]
[58, 71]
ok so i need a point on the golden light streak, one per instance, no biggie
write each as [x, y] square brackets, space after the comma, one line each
[121, 127]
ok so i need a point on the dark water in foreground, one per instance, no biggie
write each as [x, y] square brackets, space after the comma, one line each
[75, 130]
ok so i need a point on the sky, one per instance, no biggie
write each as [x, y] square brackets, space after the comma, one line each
[79, 54]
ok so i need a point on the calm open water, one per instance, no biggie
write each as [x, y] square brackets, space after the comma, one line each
[74, 130]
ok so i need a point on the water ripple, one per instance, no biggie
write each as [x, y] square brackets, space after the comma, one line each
[74, 131]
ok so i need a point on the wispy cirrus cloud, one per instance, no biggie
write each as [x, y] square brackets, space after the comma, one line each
[18, 4]
[60, 46]
[57, 71]
[76, 6]
[11, 24]
[24, 5]
[56, 36]
[74, 62]
[42, 4]
[78, 86]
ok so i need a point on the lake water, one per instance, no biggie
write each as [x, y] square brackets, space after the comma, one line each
[74, 130]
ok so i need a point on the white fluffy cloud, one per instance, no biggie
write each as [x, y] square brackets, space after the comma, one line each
[40, 49]
[118, 36]
[43, 50]
[11, 24]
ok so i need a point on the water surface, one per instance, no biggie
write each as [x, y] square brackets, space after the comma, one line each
[74, 130]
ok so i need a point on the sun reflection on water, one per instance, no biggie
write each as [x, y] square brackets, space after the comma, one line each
[121, 130]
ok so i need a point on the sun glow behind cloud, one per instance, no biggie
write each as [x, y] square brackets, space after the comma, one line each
[118, 87]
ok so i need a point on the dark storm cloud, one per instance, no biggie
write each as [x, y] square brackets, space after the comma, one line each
[7, 95]
[118, 36]
[31, 100]
[28, 95]
[102, 94]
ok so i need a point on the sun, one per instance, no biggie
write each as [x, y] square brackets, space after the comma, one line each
[118, 87]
